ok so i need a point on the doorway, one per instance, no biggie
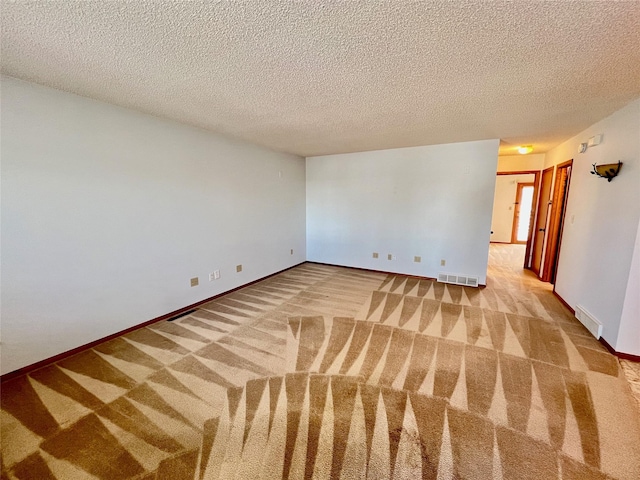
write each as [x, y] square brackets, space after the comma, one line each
[522, 213]
[503, 215]
[556, 221]
[544, 202]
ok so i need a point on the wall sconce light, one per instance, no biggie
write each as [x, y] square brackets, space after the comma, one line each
[524, 149]
[608, 171]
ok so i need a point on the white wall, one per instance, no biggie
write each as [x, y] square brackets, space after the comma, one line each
[601, 220]
[433, 201]
[629, 332]
[107, 213]
[504, 205]
[519, 163]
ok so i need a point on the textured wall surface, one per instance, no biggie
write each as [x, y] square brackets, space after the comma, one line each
[323, 77]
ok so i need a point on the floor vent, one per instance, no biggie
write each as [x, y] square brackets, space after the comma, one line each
[589, 321]
[465, 280]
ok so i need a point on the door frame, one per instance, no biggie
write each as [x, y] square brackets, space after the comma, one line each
[546, 220]
[534, 211]
[556, 223]
[516, 212]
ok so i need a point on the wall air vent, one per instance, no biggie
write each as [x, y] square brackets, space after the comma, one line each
[589, 321]
[466, 280]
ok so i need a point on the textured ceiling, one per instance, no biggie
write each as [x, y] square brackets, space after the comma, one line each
[318, 77]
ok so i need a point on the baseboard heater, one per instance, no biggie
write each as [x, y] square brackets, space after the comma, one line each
[466, 280]
[589, 321]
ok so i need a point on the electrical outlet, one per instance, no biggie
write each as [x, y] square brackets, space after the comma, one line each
[211, 277]
[417, 259]
[194, 282]
[216, 274]
[238, 268]
[443, 262]
[375, 254]
[292, 251]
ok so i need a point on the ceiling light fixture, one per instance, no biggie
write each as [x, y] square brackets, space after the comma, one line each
[523, 150]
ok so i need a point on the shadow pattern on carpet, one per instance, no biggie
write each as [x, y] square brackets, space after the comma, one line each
[327, 372]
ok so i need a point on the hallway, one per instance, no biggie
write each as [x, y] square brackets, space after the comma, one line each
[505, 266]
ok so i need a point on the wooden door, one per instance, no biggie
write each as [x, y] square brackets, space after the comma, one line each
[522, 213]
[541, 220]
[556, 221]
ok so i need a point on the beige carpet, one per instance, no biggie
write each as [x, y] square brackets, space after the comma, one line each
[329, 373]
[632, 372]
